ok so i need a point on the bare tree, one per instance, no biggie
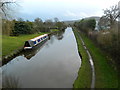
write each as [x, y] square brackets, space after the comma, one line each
[38, 24]
[56, 19]
[49, 23]
[5, 7]
[103, 23]
[112, 14]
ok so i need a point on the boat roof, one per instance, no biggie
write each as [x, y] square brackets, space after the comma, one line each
[36, 38]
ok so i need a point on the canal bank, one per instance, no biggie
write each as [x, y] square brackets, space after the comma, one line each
[85, 73]
[106, 75]
[13, 46]
[55, 65]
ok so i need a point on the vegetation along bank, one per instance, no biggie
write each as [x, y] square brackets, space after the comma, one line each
[84, 75]
[16, 32]
[101, 36]
[106, 75]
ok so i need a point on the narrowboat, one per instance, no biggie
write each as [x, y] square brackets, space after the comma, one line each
[35, 41]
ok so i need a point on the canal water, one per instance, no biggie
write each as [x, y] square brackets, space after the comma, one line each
[54, 65]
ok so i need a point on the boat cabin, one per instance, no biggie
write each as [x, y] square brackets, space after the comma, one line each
[35, 41]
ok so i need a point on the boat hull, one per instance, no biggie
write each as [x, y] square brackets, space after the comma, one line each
[30, 44]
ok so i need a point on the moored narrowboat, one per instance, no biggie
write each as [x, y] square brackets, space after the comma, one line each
[35, 41]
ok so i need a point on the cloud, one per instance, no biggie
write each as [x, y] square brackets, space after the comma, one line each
[79, 15]
[75, 14]
[69, 13]
[64, 9]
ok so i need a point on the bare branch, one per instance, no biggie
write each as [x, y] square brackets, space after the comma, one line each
[4, 3]
[112, 14]
[5, 7]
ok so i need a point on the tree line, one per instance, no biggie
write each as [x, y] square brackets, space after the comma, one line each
[107, 37]
[20, 26]
[17, 27]
[86, 25]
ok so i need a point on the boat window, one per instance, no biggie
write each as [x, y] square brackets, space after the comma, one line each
[34, 42]
[38, 40]
[27, 44]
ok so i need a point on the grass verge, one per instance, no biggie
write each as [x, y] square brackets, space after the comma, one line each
[106, 75]
[54, 30]
[84, 74]
[10, 43]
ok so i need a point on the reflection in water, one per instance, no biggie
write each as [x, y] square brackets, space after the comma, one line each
[10, 81]
[30, 53]
[59, 35]
[55, 65]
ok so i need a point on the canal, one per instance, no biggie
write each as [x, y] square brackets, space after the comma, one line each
[54, 65]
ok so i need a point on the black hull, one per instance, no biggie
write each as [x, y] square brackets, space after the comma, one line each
[28, 53]
[39, 45]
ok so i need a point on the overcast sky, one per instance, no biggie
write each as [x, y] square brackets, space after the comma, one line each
[63, 9]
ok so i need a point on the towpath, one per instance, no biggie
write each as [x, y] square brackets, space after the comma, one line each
[91, 63]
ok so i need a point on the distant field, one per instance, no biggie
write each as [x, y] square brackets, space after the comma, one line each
[11, 43]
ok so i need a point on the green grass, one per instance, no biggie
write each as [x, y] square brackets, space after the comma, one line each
[84, 74]
[106, 76]
[10, 43]
[54, 30]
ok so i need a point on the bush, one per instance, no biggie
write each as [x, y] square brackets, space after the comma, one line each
[22, 27]
[86, 25]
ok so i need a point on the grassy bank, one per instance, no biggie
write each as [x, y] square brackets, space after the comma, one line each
[84, 75]
[106, 76]
[10, 43]
[54, 30]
